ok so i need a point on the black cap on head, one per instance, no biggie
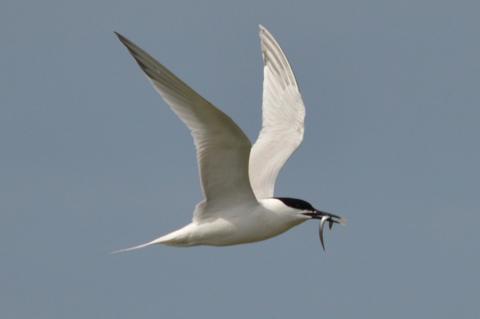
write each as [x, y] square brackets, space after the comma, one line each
[296, 203]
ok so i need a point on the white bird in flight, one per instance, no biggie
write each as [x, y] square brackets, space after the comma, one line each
[237, 179]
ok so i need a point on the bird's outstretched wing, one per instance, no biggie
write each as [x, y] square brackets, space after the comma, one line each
[283, 116]
[222, 148]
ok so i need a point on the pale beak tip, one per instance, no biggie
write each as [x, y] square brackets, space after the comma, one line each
[342, 221]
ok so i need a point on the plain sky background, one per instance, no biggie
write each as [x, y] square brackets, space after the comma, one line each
[92, 159]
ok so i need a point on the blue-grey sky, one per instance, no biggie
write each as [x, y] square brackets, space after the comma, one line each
[92, 159]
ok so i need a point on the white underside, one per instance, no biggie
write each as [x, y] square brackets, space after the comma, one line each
[238, 225]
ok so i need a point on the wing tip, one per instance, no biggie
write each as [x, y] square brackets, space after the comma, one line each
[140, 56]
[119, 36]
[123, 39]
[263, 32]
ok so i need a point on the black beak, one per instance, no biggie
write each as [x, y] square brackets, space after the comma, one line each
[325, 217]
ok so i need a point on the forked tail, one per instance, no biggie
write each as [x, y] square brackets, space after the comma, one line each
[134, 247]
[174, 238]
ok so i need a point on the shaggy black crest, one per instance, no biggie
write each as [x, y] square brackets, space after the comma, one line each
[296, 203]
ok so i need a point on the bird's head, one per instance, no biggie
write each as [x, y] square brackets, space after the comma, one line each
[306, 210]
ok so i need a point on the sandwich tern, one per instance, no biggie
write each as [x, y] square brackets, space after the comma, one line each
[238, 179]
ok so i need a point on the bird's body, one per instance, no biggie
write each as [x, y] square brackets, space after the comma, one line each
[245, 223]
[237, 178]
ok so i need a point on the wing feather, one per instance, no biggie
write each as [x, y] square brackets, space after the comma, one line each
[283, 115]
[222, 148]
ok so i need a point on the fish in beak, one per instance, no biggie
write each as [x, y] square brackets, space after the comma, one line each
[324, 218]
